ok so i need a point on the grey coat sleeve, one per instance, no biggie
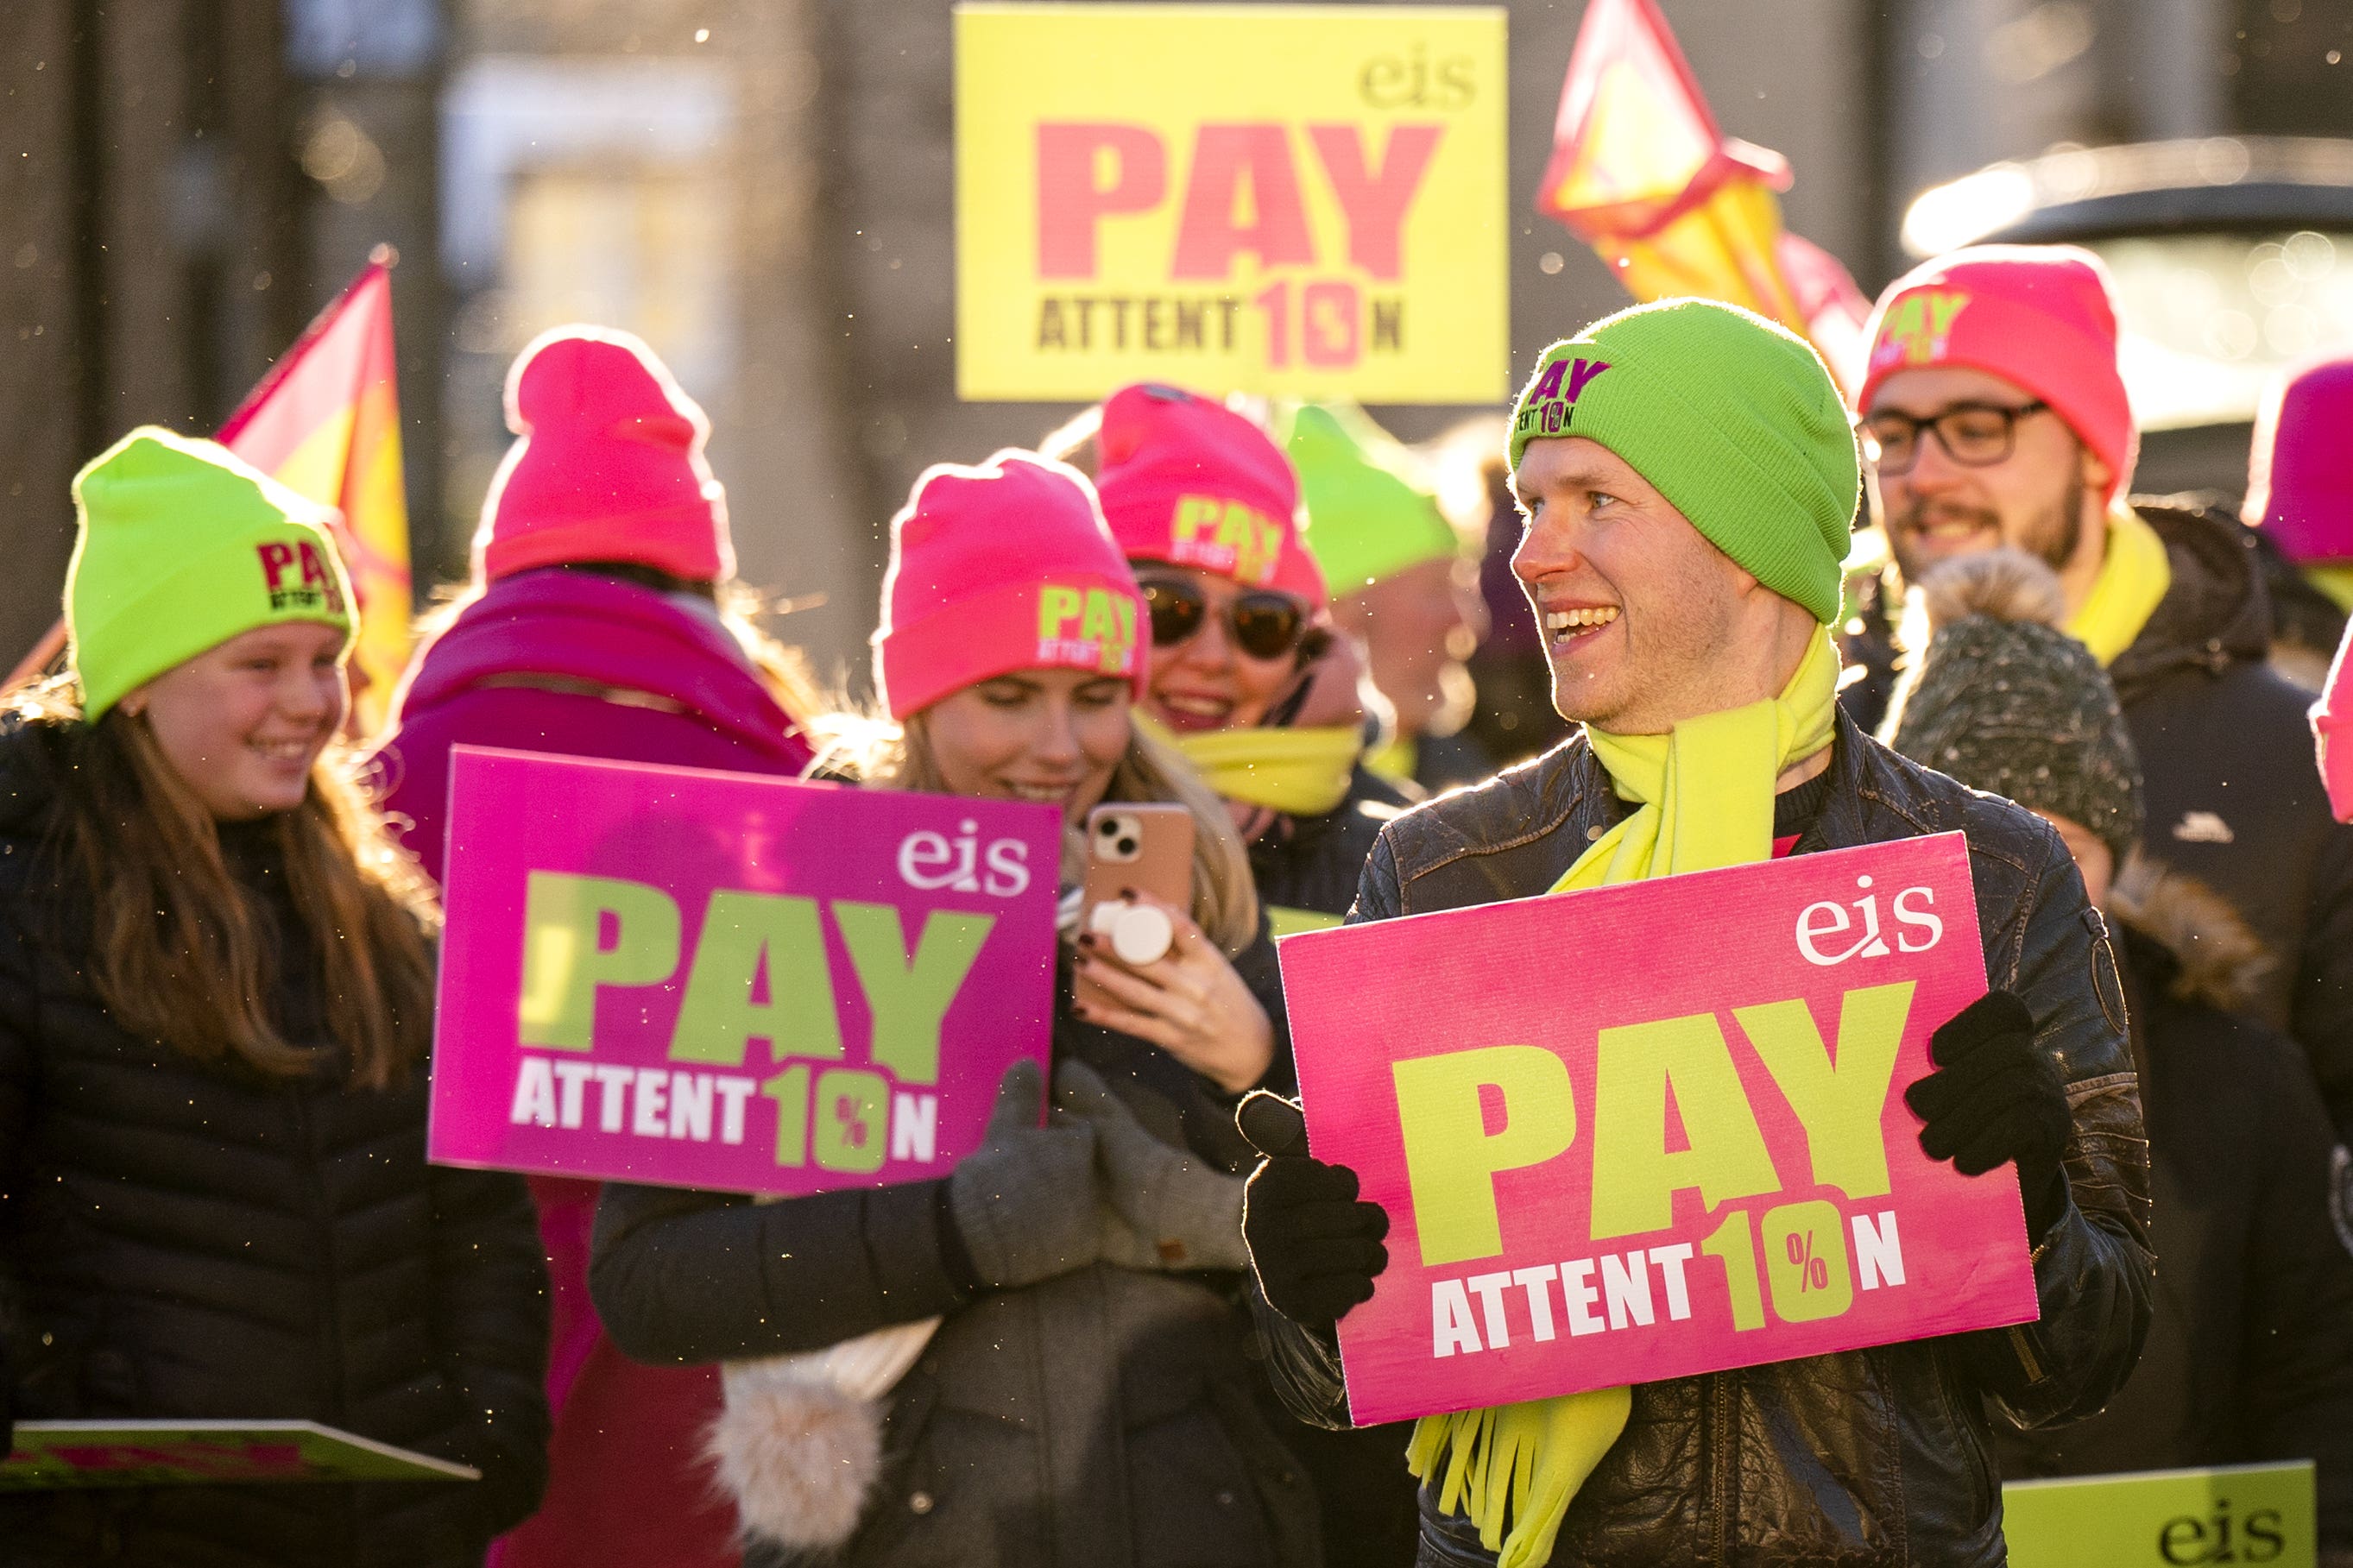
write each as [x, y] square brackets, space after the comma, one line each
[2094, 1273]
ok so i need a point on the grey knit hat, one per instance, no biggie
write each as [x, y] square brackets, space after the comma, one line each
[2004, 702]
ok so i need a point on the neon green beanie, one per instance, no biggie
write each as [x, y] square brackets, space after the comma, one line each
[1730, 417]
[1367, 517]
[183, 547]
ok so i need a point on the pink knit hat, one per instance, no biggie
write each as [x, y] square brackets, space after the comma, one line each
[2300, 475]
[1003, 567]
[2040, 316]
[1191, 482]
[608, 465]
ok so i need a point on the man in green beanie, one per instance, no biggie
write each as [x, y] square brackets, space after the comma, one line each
[1401, 586]
[1689, 478]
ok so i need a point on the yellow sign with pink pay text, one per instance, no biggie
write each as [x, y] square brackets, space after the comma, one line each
[1307, 201]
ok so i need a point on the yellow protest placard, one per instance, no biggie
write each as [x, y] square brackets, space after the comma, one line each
[1302, 200]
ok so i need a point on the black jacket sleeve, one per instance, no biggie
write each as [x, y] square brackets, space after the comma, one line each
[2095, 1272]
[2296, 1371]
[686, 1276]
[18, 1075]
[491, 1307]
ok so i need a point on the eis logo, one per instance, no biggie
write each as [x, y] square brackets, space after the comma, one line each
[1226, 536]
[313, 586]
[930, 861]
[1552, 401]
[1826, 922]
[1917, 328]
[1086, 625]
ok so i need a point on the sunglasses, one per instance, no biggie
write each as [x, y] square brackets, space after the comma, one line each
[1262, 624]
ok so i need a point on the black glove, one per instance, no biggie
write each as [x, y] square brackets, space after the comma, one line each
[1315, 1248]
[1997, 1096]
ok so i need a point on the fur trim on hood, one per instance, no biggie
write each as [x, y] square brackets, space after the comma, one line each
[2222, 961]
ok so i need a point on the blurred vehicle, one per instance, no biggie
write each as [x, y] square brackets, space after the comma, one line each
[2233, 257]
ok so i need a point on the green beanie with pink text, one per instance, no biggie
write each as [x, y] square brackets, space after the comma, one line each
[183, 546]
[1730, 417]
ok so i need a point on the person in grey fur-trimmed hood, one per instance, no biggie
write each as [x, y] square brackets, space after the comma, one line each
[2250, 1351]
[1995, 415]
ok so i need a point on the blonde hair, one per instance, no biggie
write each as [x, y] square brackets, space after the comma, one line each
[1225, 899]
[181, 953]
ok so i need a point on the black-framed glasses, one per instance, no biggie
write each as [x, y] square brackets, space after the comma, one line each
[1262, 623]
[1974, 435]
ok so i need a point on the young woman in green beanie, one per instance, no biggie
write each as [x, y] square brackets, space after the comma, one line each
[215, 1003]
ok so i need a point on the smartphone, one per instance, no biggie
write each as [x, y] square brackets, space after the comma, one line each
[1148, 847]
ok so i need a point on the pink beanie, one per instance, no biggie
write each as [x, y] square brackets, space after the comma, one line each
[1003, 567]
[1190, 482]
[2040, 316]
[2300, 476]
[608, 465]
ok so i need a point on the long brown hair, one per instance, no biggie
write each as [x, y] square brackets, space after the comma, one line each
[1225, 899]
[181, 953]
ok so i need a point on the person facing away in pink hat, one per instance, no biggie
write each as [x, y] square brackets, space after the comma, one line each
[2300, 504]
[1048, 1335]
[1994, 414]
[602, 621]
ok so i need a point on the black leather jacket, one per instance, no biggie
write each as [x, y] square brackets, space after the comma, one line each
[1877, 1457]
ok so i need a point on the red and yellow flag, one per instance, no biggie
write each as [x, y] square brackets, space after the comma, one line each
[325, 422]
[1641, 172]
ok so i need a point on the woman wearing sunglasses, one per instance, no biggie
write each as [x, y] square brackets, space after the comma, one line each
[1246, 681]
[1249, 684]
[1054, 1333]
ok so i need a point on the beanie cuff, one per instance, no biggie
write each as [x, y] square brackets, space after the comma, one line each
[141, 640]
[663, 541]
[1272, 556]
[1082, 621]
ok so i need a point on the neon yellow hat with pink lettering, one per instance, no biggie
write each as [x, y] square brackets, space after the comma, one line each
[182, 546]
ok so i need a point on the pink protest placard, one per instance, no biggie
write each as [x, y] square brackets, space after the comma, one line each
[1652, 1131]
[724, 981]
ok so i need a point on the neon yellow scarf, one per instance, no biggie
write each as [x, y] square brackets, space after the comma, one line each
[1706, 794]
[1396, 761]
[1300, 773]
[2336, 580]
[2133, 579]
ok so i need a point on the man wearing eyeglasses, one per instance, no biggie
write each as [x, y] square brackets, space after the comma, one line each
[1993, 413]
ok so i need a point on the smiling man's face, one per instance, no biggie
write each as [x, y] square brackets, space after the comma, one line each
[2040, 499]
[1645, 622]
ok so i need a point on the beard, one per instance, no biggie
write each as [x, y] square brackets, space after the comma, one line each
[2050, 534]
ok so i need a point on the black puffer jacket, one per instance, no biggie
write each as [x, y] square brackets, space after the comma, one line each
[2250, 1353]
[1877, 1457]
[1107, 1416]
[2234, 798]
[179, 1240]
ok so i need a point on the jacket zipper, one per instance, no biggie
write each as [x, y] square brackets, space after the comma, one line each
[332, 1317]
[1723, 1463]
[2026, 1356]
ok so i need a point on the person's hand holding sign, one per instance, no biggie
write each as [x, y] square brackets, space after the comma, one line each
[1995, 1097]
[1187, 1001]
[1316, 1248]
